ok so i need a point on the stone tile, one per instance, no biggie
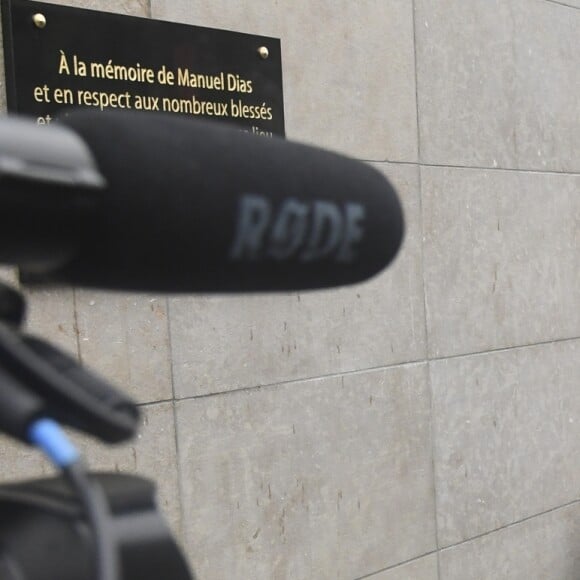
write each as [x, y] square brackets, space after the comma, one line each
[421, 569]
[51, 316]
[507, 437]
[129, 7]
[543, 547]
[348, 83]
[222, 343]
[125, 337]
[502, 266]
[498, 84]
[326, 479]
[18, 461]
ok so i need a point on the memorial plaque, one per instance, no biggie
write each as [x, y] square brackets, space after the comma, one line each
[59, 57]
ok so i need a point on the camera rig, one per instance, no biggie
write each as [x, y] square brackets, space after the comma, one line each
[77, 525]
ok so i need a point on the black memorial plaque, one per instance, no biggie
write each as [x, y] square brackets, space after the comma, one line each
[58, 57]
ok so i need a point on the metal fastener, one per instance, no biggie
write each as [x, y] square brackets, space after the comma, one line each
[263, 52]
[39, 20]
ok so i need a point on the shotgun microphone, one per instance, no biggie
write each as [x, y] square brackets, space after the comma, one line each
[134, 201]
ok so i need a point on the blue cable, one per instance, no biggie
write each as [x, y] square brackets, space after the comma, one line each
[48, 436]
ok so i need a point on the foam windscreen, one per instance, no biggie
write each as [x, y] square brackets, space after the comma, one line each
[192, 206]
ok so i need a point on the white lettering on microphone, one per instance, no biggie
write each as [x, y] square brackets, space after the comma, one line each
[307, 231]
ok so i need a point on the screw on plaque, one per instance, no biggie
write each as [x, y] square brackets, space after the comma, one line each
[263, 52]
[39, 20]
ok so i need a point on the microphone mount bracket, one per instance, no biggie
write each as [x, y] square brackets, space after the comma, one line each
[46, 381]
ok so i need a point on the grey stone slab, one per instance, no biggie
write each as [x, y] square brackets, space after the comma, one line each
[129, 7]
[507, 436]
[349, 75]
[125, 337]
[502, 265]
[19, 461]
[498, 85]
[421, 569]
[545, 547]
[51, 316]
[326, 479]
[223, 343]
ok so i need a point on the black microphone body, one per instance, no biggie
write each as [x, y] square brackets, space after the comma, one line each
[191, 206]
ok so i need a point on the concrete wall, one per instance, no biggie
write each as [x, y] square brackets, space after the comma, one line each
[425, 425]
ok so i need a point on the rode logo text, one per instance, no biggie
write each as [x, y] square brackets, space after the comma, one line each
[307, 231]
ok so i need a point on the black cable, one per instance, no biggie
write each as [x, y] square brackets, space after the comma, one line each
[98, 516]
[53, 441]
